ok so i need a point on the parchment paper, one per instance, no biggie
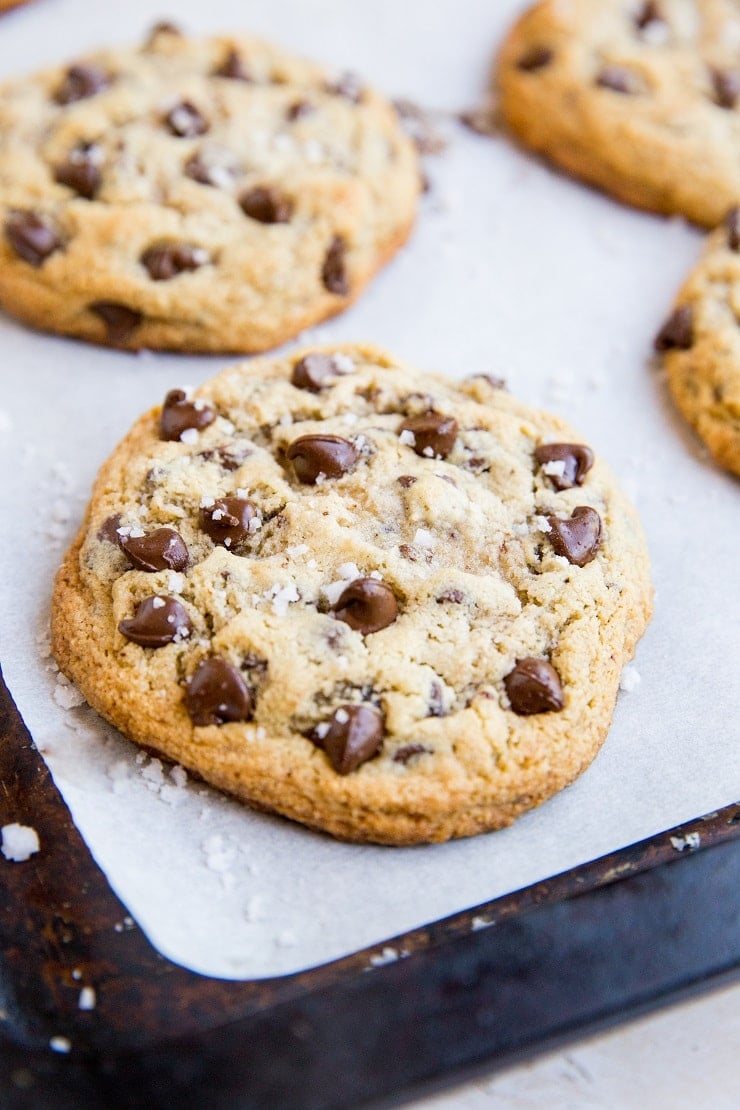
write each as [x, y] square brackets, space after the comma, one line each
[513, 270]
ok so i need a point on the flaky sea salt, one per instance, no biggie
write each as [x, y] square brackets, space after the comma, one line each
[332, 591]
[342, 363]
[19, 842]
[189, 436]
[692, 841]
[555, 468]
[407, 438]
[341, 716]
[60, 1044]
[88, 999]
[348, 571]
[630, 680]
[424, 538]
[281, 597]
[66, 695]
[298, 549]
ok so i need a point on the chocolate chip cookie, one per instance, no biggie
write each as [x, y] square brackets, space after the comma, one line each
[382, 603]
[200, 195]
[699, 345]
[638, 97]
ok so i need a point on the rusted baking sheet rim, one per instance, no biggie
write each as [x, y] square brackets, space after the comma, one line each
[586, 948]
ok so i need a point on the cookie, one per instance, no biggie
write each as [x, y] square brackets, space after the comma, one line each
[699, 345]
[641, 99]
[201, 195]
[6, 5]
[379, 602]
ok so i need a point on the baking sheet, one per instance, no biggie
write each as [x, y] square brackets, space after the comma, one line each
[513, 270]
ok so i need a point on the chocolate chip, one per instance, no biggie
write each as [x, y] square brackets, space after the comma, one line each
[299, 110]
[406, 481]
[81, 82]
[31, 237]
[313, 455]
[227, 520]
[617, 79]
[726, 84]
[454, 596]
[436, 700]
[678, 330]
[156, 622]
[185, 121]
[170, 259]
[163, 549]
[348, 87]
[217, 693]
[355, 735]
[577, 538]
[534, 687]
[333, 272]
[163, 27]
[81, 171]
[490, 379]
[367, 605]
[180, 414]
[732, 223]
[209, 172]
[409, 751]
[120, 320]
[229, 456]
[650, 13]
[266, 205]
[312, 371]
[577, 460]
[233, 68]
[108, 530]
[434, 434]
[537, 57]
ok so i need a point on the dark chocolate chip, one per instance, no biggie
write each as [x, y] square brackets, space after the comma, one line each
[436, 700]
[732, 223]
[311, 372]
[81, 82]
[678, 330]
[649, 13]
[454, 596]
[434, 434]
[229, 456]
[367, 605]
[348, 87]
[534, 687]
[233, 67]
[170, 259]
[726, 83]
[156, 622]
[179, 414]
[355, 735]
[163, 549]
[617, 79]
[409, 751]
[299, 109]
[577, 538]
[406, 481]
[227, 520]
[266, 205]
[108, 530]
[217, 693]
[185, 121]
[81, 171]
[576, 457]
[120, 321]
[313, 455]
[31, 237]
[198, 169]
[334, 271]
[537, 57]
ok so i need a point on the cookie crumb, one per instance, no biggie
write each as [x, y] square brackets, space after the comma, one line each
[630, 680]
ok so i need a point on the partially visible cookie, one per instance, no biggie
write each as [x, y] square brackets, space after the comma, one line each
[379, 602]
[638, 97]
[210, 194]
[699, 344]
[5, 5]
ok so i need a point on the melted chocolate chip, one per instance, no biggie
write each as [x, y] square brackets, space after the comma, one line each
[434, 434]
[170, 259]
[179, 414]
[80, 172]
[534, 687]
[120, 321]
[678, 330]
[299, 110]
[334, 271]
[156, 622]
[409, 751]
[217, 693]
[367, 605]
[577, 460]
[227, 520]
[537, 57]
[578, 538]
[229, 456]
[311, 372]
[313, 455]
[31, 237]
[726, 83]
[108, 530]
[185, 121]
[732, 223]
[348, 87]
[355, 735]
[163, 549]
[266, 205]
[233, 68]
[81, 82]
[617, 79]
[406, 481]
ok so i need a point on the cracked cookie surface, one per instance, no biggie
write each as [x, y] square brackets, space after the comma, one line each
[380, 602]
[638, 97]
[208, 194]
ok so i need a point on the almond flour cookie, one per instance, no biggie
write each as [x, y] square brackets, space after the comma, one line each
[699, 345]
[385, 604]
[200, 195]
[638, 97]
